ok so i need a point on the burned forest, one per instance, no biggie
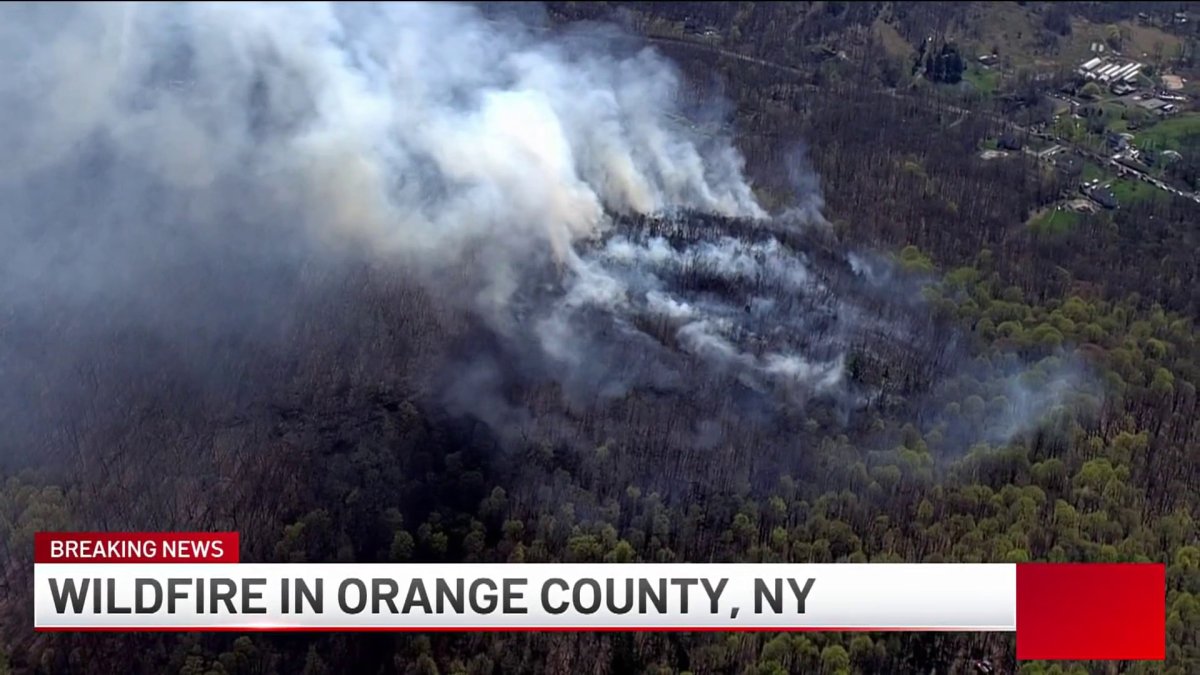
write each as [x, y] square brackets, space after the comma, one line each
[585, 282]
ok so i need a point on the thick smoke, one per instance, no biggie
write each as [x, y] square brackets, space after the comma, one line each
[189, 170]
[422, 130]
[421, 134]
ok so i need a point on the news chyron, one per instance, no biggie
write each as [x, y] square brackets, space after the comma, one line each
[189, 581]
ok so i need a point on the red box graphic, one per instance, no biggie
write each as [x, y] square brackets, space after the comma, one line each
[1091, 611]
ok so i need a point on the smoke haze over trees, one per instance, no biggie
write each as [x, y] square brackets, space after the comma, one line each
[443, 283]
[189, 171]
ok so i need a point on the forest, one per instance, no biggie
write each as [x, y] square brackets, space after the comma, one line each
[1007, 394]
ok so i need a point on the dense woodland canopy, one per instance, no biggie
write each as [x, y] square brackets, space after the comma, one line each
[344, 442]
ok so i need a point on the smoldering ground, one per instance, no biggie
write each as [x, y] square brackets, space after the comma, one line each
[205, 203]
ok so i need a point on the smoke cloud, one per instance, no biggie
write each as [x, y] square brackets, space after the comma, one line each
[422, 134]
[417, 129]
[190, 170]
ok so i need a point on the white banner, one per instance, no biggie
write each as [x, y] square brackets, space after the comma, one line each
[962, 597]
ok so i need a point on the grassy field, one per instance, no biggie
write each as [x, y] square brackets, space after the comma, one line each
[1092, 170]
[1054, 221]
[892, 41]
[1139, 45]
[984, 80]
[1133, 191]
[1168, 134]
[1006, 26]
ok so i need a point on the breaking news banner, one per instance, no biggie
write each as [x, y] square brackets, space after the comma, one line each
[194, 581]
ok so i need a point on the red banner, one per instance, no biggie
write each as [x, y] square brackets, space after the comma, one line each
[1093, 611]
[135, 547]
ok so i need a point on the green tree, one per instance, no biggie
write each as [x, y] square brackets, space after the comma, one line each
[835, 660]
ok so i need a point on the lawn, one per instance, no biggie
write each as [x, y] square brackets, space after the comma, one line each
[1092, 170]
[1132, 191]
[983, 80]
[1054, 221]
[1006, 26]
[1169, 134]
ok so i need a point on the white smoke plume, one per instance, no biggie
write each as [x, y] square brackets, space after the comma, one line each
[456, 146]
[419, 129]
[547, 182]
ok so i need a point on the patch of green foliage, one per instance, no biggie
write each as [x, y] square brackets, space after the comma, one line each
[1169, 134]
[1130, 191]
[1058, 220]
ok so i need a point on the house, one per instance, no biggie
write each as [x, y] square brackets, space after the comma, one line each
[1009, 141]
[1122, 88]
[1104, 197]
[1157, 106]
[1130, 161]
[1100, 194]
